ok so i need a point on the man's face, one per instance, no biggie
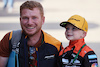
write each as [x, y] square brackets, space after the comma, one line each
[31, 21]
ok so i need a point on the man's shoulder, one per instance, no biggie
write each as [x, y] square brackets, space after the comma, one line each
[4, 45]
[51, 40]
[48, 37]
[15, 33]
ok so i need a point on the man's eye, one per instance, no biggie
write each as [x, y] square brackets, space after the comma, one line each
[24, 18]
[34, 17]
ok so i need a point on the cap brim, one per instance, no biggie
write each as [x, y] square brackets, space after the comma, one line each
[63, 24]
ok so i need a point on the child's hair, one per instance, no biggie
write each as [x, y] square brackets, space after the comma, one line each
[77, 21]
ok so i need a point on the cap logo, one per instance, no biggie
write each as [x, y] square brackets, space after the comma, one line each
[74, 19]
[64, 23]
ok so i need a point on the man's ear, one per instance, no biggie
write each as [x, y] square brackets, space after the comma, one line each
[20, 19]
[43, 20]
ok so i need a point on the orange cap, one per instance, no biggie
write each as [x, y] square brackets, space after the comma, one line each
[77, 21]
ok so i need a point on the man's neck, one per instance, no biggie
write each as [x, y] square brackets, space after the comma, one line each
[32, 40]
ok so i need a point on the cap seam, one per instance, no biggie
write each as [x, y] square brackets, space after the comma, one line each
[83, 23]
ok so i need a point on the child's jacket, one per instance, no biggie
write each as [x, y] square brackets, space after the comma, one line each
[85, 58]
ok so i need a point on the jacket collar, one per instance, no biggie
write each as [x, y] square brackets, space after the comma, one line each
[77, 43]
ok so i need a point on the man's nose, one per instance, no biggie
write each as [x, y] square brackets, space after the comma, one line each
[30, 21]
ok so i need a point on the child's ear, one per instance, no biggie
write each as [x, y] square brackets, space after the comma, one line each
[84, 33]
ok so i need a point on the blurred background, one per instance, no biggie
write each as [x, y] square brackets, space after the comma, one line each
[57, 11]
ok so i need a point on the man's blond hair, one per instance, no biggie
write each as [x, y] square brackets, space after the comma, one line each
[31, 5]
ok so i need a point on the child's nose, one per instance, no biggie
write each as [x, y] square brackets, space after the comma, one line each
[70, 30]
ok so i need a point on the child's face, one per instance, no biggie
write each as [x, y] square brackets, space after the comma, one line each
[73, 33]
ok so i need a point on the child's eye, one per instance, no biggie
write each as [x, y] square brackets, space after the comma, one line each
[67, 29]
[74, 28]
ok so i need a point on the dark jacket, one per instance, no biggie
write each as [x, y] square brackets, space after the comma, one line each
[86, 57]
[47, 53]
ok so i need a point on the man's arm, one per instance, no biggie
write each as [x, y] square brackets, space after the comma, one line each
[3, 61]
[4, 50]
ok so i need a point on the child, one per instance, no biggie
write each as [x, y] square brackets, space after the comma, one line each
[77, 53]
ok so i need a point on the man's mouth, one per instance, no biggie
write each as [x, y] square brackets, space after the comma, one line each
[30, 27]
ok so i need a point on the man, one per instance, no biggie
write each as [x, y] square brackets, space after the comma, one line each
[46, 47]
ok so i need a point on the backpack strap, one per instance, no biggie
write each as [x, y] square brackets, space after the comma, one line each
[16, 36]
